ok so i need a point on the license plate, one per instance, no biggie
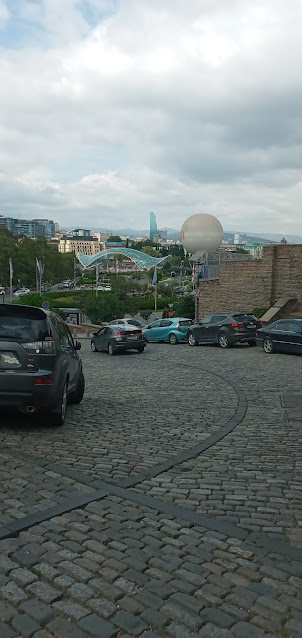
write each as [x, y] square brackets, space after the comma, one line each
[9, 360]
[251, 325]
[130, 338]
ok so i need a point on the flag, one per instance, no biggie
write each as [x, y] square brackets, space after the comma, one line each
[41, 271]
[117, 266]
[11, 269]
[38, 265]
[154, 280]
[74, 267]
[193, 275]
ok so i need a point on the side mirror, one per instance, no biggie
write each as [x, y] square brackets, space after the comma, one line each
[78, 345]
[95, 334]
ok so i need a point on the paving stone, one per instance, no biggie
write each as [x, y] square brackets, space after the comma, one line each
[12, 593]
[6, 565]
[24, 625]
[218, 617]
[101, 606]
[23, 576]
[108, 591]
[6, 632]
[246, 630]
[149, 600]
[36, 609]
[74, 571]
[61, 628]
[177, 614]
[6, 612]
[211, 631]
[153, 618]
[45, 592]
[180, 631]
[132, 624]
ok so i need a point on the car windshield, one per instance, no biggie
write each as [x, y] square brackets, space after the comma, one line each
[23, 328]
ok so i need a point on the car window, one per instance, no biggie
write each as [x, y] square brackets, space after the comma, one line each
[218, 318]
[64, 334]
[113, 323]
[155, 324]
[134, 322]
[206, 319]
[185, 323]
[23, 328]
[107, 331]
[120, 322]
[281, 326]
[293, 326]
[241, 316]
[165, 322]
[101, 332]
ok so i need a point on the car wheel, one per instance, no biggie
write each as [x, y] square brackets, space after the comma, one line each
[223, 340]
[140, 350]
[192, 340]
[252, 343]
[93, 347]
[173, 339]
[111, 349]
[57, 416]
[77, 395]
[268, 346]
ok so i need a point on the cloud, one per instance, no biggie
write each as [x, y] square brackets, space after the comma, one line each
[112, 109]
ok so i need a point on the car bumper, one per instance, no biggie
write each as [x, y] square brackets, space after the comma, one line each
[130, 345]
[243, 338]
[20, 390]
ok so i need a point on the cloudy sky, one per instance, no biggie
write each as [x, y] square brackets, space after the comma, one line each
[112, 108]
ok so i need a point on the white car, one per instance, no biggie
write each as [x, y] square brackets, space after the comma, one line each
[2, 290]
[21, 292]
[126, 322]
[104, 288]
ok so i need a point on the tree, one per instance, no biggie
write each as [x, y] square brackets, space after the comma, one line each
[104, 307]
[186, 307]
[114, 238]
[149, 250]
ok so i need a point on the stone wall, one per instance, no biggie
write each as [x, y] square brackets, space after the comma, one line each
[254, 284]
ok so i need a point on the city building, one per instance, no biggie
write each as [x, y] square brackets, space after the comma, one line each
[84, 244]
[163, 234]
[113, 244]
[237, 238]
[153, 226]
[29, 227]
[101, 236]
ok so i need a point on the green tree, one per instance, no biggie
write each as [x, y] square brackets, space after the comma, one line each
[114, 238]
[149, 250]
[104, 307]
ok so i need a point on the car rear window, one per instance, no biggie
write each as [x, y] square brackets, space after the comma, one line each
[134, 322]
[185, 323]
[244, 317]
[24, 324]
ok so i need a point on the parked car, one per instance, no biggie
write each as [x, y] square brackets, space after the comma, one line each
[281, 336]
[2, 290]
[39, 363]
[126, 322]
[171, 330]
[104, 288]
[63, 286]
[117, 339]
[180, 291]
[225, 328]
[22, 292]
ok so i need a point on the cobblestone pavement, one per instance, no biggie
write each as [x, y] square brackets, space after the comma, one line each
[209, 545]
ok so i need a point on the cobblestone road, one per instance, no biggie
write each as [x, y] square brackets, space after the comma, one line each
[108, 530]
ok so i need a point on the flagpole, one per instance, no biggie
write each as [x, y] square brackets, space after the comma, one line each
[155, 299]
[10, 281]
[96, 280]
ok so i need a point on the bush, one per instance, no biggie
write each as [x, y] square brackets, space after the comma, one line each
[186, 307]
[104, 307]
[259, 312]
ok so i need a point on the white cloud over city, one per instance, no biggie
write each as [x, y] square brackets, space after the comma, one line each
[110, 109]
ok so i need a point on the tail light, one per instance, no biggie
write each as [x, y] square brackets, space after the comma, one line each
[118, 334]
[39, 347]
[237, 325]
[43, 381]
[256, 334]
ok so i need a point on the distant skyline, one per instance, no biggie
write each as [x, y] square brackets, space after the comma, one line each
[114, 108]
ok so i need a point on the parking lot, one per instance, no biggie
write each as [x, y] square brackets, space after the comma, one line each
[169, 504]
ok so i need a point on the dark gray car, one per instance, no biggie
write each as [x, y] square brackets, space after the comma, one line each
[225, 328]
[39, 363]
[117, 339]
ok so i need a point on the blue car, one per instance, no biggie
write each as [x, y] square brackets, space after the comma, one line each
[171, 330]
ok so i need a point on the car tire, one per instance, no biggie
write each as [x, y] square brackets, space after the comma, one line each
[57, 416]
[93, 347]
[192, 340]
[173, 339]
[111, 350]
[252, 343]
[268, 346]
[223, 340]
[77, 395]
[140, 350]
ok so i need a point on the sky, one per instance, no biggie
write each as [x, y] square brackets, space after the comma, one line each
[111, 109]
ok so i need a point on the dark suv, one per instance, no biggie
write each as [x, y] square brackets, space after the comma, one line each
[39, 364]
[225, 328]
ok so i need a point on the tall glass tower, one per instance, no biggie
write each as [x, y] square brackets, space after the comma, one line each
[153, 226]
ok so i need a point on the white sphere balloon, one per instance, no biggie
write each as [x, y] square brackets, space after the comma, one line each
[201, 233]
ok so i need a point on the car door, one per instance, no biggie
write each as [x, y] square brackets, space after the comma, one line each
[279, 335]
[68, 352]
[99, 339]
[294, 336]
[202, 329]
[164, 329]
[152, 331]
[107, 334]
[214, 328]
